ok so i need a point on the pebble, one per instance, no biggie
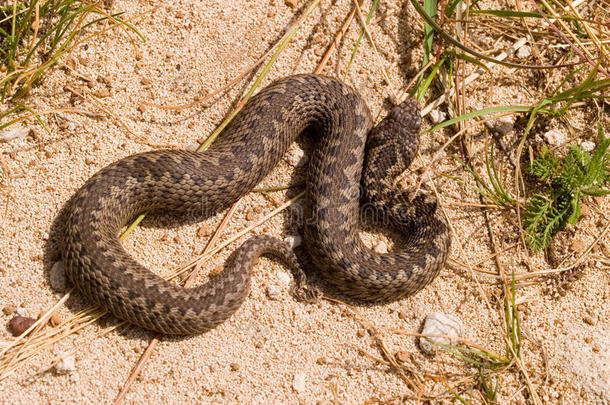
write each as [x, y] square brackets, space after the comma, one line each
[283, 278]
[274, 292]
[234, 367]
[504, 125]
[66, 364]
[55, 319]
[577, 246]
[20, 324]
[101, 93]
[21, 311]
[84, 60]
[589, 320]
[438, 323]
[321, 360]
[296, 157]
[437, 116]
[403, 356]
[298, 384]
[588, 146]
[524, 52]
[57, 277]
[9, 310]
[191, 146]
[554, 137]
[251, 216]
[381, 247]
[145, 81]
[403, 314]
[204, 230]
[14, 133]
[291, 3]
[139, 54]
[293, 240]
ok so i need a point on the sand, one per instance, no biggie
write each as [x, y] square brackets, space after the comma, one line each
[277, 350]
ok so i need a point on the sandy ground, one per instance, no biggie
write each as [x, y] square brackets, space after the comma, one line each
[275, 350]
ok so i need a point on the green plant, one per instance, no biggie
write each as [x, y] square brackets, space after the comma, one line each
[565, 184]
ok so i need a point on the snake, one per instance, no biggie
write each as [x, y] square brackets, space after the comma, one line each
[352, 173]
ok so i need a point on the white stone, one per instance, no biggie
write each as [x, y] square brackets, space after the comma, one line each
[299, 383]
[57, 277]
[437, 116]
[21, 312]
[191, 146]
[524, 52]
[274, 292]
[13, 133]
[554, 137]
[438, 323]
[293, 240]
[66, 364]
[283, 278]
[504, 125]
[381, 247]
[588, 146]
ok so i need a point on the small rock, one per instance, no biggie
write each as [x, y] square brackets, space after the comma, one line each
[403, 356]
[234, 367]
[588, 339]
[283, 278]
[66, 364]
[588, 146]
[293, 240]
[217, 270]
[554, 137]
[504, 125]
[84, 60]
[577, 246]
[273, 292]
[21, 311]
[9, 310]
[191, 146]
[296, 156]
[57, 277]
[524, 52]
[596, 348]
[14, 133]
[204, 230]
[20, 324]
[381, 247]
[298, 384]
[291, 3]
[321, 360]
[55, 319]
[145, 81]
[104, 79]
[438, 323]
[437, 116]
[589, 320]
[139, 54]
[101, 93]
[403, 314]
[251, 216]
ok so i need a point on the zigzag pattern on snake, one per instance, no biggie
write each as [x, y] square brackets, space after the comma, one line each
[350, 155]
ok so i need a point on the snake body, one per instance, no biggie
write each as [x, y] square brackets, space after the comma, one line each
[349, 156]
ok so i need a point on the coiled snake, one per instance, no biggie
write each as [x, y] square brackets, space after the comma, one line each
[349, 156]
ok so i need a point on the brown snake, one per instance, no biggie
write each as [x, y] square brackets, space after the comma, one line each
[349, 156]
